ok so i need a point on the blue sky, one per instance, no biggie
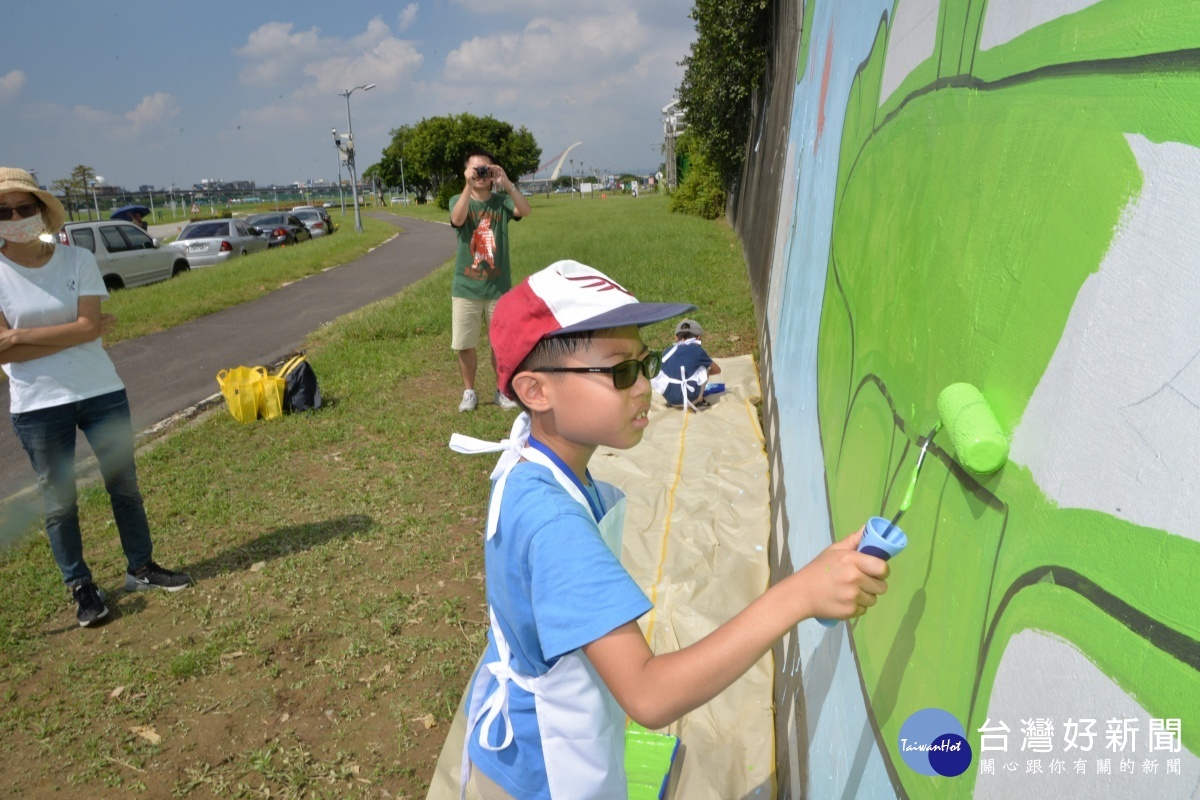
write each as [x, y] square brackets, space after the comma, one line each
[175, 92]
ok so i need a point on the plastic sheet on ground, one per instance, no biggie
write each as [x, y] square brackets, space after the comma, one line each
[696, 535]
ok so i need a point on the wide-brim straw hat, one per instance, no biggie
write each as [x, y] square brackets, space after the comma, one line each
[18, 180]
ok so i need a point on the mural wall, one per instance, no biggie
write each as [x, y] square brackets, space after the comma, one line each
[1005, 193]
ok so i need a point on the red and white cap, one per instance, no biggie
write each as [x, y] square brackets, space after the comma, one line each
[565, 297]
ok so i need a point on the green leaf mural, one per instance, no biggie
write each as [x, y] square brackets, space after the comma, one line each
[976, 208]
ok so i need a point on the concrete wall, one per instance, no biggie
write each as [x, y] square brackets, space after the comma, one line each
[1005, 193]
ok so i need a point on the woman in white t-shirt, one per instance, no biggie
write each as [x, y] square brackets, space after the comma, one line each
[60, 379]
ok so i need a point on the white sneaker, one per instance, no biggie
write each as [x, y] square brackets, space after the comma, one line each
[503, 401]
[469, 400]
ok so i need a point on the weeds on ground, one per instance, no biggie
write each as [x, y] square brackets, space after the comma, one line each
[338, 609]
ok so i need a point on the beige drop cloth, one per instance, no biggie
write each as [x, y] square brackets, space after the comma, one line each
[695, 540]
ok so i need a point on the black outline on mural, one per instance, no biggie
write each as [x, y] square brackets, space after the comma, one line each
[1162, 637]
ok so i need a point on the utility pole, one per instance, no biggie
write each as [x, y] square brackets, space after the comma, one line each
[350, 151]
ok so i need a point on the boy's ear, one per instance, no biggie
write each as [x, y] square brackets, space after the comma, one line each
[530, 389]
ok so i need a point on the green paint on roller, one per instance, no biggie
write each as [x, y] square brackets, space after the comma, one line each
[979, 443]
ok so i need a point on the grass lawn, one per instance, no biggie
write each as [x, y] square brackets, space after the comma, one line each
[339, 604]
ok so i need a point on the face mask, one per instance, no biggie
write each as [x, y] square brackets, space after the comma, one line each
[22, 230]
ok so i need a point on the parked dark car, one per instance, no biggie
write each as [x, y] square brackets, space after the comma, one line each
[281, 229]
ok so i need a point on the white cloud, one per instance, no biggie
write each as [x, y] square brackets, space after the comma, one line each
[549, 51]
[306, 63]
[407, 17]
[276, 54]
[11, 84]
[600, 76]
[521, 6]
[153, 109]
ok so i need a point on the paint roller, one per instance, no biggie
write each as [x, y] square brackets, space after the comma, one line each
[979, 445]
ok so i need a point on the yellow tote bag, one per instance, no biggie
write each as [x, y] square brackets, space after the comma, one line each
[271, 390]
[242, 388]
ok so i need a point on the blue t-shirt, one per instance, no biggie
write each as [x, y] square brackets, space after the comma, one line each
[554, 587]
[690, 356]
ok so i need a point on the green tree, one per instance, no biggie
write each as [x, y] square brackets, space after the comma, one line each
[397, 169]
[720, 76]
[75, 188]
[701, 191]
[64, 187]
[433, 150]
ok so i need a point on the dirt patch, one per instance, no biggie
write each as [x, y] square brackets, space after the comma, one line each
[249, 686]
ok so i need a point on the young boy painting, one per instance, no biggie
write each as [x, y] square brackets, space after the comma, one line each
[566, 660]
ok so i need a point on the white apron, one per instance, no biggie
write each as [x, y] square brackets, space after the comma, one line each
[662, 380]
[582, 726]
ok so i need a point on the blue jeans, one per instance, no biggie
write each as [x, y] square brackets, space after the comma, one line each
[48, 436]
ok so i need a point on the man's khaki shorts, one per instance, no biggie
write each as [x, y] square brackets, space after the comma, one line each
[467, 317]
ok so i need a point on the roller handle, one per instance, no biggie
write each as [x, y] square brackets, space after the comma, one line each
[882, 539]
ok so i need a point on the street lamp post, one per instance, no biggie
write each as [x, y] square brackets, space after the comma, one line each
[403, 188]
[96, 181]
[341, 195]
[350, 151]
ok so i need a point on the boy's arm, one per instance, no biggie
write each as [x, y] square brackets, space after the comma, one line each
[713, 367]
[657, 690]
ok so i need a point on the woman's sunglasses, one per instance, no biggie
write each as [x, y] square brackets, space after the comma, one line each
[624, 374]
[24, 211]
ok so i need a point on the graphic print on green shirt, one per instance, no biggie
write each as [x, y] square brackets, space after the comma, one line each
[481, 270]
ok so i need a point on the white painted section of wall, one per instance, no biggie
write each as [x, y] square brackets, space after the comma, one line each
[1005, 20]
[1114, 423]
[910, 42]
[1041, 676]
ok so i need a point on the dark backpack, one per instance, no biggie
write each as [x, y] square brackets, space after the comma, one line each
[301, 392]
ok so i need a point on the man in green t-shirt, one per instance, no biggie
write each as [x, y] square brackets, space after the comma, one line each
[481, 272]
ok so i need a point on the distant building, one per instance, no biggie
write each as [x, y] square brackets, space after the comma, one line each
[224, 186]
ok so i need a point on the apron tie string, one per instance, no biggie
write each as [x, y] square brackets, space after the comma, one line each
[510, 449]
[496, 704]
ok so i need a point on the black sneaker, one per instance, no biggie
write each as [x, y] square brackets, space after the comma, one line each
[90, 602]
[152, 576]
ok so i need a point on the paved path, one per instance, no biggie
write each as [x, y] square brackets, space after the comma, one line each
[169, 371]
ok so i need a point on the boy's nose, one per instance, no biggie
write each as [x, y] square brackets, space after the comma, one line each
[641, 387]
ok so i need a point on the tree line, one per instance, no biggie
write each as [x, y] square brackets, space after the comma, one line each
[427, 158]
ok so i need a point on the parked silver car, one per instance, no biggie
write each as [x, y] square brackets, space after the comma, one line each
[126, 255]
[216, 240]
[316, 219]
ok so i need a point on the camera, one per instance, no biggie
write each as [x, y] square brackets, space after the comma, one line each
[482, 172]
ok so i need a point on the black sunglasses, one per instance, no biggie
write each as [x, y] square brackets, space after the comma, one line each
[624, 374]
[24, 211]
